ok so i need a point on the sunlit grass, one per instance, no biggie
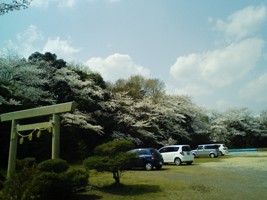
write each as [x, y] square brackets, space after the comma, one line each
[176, 182]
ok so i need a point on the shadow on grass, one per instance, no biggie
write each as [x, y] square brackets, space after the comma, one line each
[121, 189]
[84, 196]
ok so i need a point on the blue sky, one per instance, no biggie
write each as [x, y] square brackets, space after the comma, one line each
[214, 51]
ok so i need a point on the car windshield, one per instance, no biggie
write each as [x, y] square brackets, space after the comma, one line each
[154, 151]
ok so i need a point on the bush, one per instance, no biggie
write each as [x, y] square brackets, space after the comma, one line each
[2, 180]
[29, 162]
[53, 165]
[15, 187]
[48, 185]
[110, 157]
[78, 178]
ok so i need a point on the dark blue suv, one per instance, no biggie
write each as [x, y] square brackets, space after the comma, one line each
[146, 158]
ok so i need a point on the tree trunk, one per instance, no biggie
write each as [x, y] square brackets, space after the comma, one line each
[116, 176]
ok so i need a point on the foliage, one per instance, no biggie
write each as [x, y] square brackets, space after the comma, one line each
[53, 166]
[48, 185]
[78, 178]
[16, 187]
[15, 5]
[51, 81]
[110, 157]
[136, 109]
[46, 180]
[238, 128]
[26, 163]
[17, 89]
[138, 87]
[2, 180]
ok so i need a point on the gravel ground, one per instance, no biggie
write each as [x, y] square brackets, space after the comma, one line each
[255, 161]
[251, 165]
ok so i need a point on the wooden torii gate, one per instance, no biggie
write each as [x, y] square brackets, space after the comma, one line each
[54, 124]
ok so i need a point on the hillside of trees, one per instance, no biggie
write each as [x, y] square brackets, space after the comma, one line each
[136, 109]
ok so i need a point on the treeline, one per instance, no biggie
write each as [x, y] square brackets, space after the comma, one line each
[136, 109]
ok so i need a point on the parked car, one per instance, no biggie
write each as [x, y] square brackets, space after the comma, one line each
[223, 149]
[177, 154]
[206, 150]
[146, 158]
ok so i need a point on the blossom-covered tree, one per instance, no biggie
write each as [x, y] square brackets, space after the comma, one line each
[14, 5]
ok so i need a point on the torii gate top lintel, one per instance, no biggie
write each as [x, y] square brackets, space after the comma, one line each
[37, 112]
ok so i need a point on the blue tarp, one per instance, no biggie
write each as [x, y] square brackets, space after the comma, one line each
[247, 150]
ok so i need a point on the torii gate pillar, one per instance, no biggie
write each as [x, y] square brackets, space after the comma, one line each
[53, 110]
[55, 136]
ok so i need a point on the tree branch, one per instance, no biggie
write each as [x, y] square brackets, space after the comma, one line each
[15, 5]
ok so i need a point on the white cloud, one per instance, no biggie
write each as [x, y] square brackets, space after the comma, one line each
[116, 66]
[26, 41]
[32, 40]
[256, 90]
[195, 89]
[219, 67]
[218, 73]
[61, 47]
[59, 3]
[243, 23]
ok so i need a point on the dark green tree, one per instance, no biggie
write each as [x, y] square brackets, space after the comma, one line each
[139, 87]
[111, 157]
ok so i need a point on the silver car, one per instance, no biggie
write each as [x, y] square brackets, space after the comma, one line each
[206, 150]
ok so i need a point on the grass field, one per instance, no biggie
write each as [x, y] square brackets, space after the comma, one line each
[232, 177]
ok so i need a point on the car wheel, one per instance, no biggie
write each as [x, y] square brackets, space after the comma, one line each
[212, 155]
[195, 156]
[221, 153]
[148, 166]
[177, 161]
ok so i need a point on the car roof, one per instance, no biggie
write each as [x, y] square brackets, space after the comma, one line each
[143, 149]
[177, 145]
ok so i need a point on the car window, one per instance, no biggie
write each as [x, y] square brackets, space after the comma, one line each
[186, 148]
[163, 150]
[169, 149]
[142, 152]
[200, 147]
[175, 148]
[212, 147]
[154, 151]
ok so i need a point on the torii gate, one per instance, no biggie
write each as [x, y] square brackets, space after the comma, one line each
[53, 110]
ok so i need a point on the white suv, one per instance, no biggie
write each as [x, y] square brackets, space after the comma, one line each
[223, 149]
[177, 154]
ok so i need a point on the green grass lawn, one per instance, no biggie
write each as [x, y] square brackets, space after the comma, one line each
[177, 182]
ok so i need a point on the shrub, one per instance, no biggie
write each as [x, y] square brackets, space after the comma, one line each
[15, 187]
[78, 178]
[29, 162]
[53, 165]
[2, 180]
[48, 185]
[110, 157]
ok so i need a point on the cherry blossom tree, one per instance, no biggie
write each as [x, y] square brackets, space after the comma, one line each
[14, 5]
